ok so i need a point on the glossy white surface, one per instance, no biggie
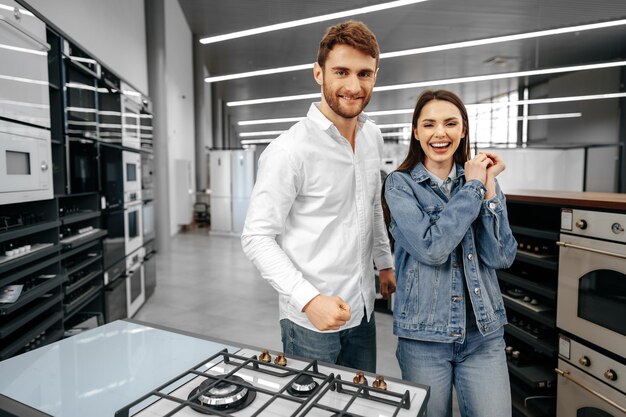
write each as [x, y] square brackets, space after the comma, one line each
[100, 371]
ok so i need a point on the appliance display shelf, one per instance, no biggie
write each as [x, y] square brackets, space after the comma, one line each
[539, 345]
[27, 271]
[33, 311]
[34, 254]
[535, 376]
[21, 341]
[83, 215]
[83, 264]
[527, 284]
[84, 280]
[85, 239]
[82, 301]
[548, 262]
[28, 296]
[539, 233]
[547, 317]
[28, 230]
[74, 251]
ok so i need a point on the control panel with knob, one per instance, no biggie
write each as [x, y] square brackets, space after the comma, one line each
[584, 361]
[610, 375]
[581, 224]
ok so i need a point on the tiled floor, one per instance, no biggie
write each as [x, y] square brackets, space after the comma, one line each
[206, 285]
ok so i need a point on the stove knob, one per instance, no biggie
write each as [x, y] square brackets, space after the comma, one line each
[360, 378]
[380, 383]
[281, 360]
[610, 375]
[584, 361]
[581, 224]
[617, 228]
[265, 356]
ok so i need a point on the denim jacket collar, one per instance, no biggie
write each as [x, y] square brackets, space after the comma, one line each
[419, 173]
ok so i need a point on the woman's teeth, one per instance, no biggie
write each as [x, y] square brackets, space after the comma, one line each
[439, 145]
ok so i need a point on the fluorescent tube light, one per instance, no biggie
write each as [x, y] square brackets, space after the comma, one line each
[256, 141]
[434, 48]
[460, 80]
[469, 106]
[308, 21]
[550, 116]
[264, 133]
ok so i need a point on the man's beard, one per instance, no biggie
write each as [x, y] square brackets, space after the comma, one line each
[334, 103]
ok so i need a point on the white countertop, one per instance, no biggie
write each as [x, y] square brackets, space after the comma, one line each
[99, 371]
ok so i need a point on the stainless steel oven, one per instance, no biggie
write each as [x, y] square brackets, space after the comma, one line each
[132, 176]
[145, 125]
[147, 176]
[115, 305]
[82, 164]
[590, 384]
[592, 278]
[25, 163]
[23, 66]
[131, 109]
[133, 227]
[135, 285]
[82, 74]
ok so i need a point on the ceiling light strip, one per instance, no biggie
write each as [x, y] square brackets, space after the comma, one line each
[468, 106]
[308, 21]
[256, 141]
[435, 48]
[550, 116]
[460, 80]
[264, 133]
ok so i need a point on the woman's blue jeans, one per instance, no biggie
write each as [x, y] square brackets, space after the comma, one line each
[477, 369]
[354, 348]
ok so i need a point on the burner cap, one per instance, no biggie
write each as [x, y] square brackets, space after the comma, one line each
[224, 395]
[303, 386]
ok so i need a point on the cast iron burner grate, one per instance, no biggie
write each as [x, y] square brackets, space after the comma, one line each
[310, 371]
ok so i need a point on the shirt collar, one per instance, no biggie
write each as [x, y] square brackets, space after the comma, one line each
[420, 173]
[317, 117]
[438, 180]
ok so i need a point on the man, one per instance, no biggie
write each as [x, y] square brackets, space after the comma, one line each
[315, 224]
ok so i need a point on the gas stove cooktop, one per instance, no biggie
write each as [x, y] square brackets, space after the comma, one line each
[249, 383]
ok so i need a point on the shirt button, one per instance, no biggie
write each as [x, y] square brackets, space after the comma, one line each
[476, 290]
[470, 256]
[493, 205]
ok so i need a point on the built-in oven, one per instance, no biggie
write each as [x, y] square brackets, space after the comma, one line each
[111, 177]
[145, 125]
[149, 268]
[109, 108]
[131, 110]
[82, 74]
[592, 278]
[23, 66]
[25, 163]
[133, 227]
[147, 176]
[132, 176]
[590, 384]
[148, 220]
[135, 285]
[114, 243]
[82, 164]
[115, 305]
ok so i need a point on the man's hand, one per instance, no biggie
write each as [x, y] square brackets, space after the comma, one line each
[387, 280]
[327, 312]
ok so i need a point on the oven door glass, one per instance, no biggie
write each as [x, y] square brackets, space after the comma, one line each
[148, 221]
[24, 67]
[133, 228]
[592, 292]
[110, 109]
[81, 102]
[136, 287]
[114, 246]
[83, 163]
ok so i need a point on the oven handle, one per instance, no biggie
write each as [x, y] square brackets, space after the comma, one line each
[566, 375]
[602, 252]
[44, 45]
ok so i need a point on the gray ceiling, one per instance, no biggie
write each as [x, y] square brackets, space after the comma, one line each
[423, 24]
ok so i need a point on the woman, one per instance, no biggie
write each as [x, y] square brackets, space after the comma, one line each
[448, 218]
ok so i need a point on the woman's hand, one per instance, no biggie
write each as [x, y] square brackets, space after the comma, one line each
[495, 168]
[476, 168]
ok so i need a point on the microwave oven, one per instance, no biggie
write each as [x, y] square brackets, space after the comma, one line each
[25, 163]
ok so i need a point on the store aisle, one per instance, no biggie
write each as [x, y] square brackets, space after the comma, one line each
[206, 285]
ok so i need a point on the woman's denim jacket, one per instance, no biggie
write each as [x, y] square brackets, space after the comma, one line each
[427, 228]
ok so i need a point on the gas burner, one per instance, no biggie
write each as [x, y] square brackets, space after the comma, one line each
[303, 386]
[224, 395]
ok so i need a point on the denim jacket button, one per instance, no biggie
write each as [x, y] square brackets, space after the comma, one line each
[470, 256]
[476, 290]
[493, 205]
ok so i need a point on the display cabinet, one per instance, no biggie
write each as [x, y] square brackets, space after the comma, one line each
[31, 278]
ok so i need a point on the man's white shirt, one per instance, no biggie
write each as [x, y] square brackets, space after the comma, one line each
[315, 220]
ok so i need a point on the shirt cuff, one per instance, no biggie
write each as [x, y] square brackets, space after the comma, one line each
[302, 294]
[383, 262]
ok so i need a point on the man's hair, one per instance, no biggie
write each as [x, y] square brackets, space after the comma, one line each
[351, 33]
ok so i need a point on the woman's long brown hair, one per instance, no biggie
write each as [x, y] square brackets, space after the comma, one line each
[416, 154]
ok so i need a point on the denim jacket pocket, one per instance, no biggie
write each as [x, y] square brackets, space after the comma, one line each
[407, 298]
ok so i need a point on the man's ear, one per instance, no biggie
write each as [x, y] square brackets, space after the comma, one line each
[318, 73]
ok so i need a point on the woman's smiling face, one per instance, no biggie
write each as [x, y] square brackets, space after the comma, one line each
[439, 130]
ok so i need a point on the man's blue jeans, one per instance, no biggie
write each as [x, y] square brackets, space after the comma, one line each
[354, 348]
[477, 368]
